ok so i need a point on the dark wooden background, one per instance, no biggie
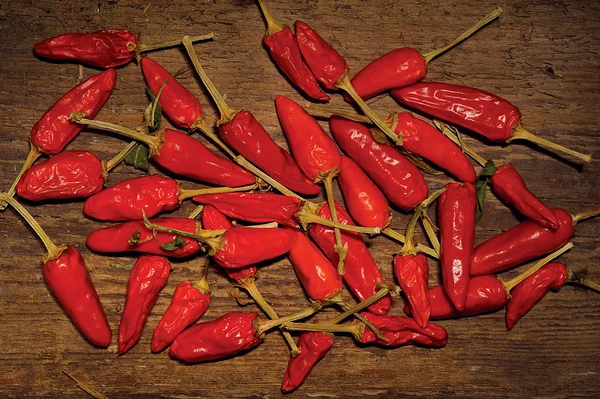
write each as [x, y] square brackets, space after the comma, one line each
[541, 55]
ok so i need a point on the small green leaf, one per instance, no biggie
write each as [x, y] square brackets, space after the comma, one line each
[126, 266]
[138, 157]
[481, 185]
[173, 245]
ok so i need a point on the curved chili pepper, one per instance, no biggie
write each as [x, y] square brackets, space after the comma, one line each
[456, 215]
[526, 294]
[181, 107]
[147, 278]
[228, 335]
[400, 331]
[412, 273]
[399, 179]
[527, 240]
[283, 49]
[361, 272]
[117, 238]
[313, 346]
[189, 303]
[484, 294]
[69, 174]
[249, 138]
[511, 188]
[365, 202]
[477, 110]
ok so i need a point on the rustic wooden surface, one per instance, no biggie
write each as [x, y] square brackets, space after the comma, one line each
[541, 55]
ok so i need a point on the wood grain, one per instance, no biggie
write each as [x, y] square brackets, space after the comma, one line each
[541, 55]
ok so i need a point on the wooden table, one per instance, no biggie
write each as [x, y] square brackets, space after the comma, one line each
[541, 55]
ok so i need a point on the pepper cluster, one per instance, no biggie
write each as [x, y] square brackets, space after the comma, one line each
[323, 241]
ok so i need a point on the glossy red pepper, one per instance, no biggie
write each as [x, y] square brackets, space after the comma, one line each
[116, 238]
[527, 240]
[526, 294]
[456, 215]
[248, 137]
[283, 49]
[313, 346]
[412, 273]
[226, 336]
[189, 303]
[179, 105]
[508, 184]
[316, 273]
[69, 174]
[366, 203]
[484, 294]
[399, 179]
[424, 140]
[147, 278]
[400, 331]
[361, 272]
[255, 207]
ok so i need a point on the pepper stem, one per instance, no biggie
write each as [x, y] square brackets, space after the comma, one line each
[196, 212]
[227, 113]
[573, 278]
[483, 22]
[244, 163]
[585, 215]
[340, 248]
[519, 132]
[173, 43]
[53, 250]
[345, 84]
[325, 112]
[263, 327]
[452, 133]
[306, 217]
[409, 247]
[510, 284]
[185, 194]
[201, 125]
[367, 302]
[430, 231]
[84, 386]
[394, 235]
[353, 310]
[32, 156]
[202, 284]
[249, 285]
[272, 25]
[355, 329]
[154, 143]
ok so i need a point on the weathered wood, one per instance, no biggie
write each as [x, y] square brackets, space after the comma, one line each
[541, 55]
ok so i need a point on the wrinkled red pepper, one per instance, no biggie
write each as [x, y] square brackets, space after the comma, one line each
[361, 272]
[399, 179]
[412, 273]
[313, 346]
[69, 174]
[400, 331]
[456, 215]
[147, 278]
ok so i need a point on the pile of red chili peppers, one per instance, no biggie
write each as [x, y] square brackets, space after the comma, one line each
[376, 175]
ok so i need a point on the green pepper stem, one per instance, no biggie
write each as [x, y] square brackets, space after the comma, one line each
[452, 133]
[510, 284]
[409, 247]
[84, 386]
[360, 306]
[154, 143]
[185, 194]
[227, 113]
[306, 217]
[345, 84]
[196, 212]
[249, 285]
[202, 284]
[264, 326]
[32, 156]
[340, 248]
[53, 250]
[172, 43]
[272, 25]
[323, 111]
[394, 235]
[430, 231]
[201, 125]
[585, 215]
[519, 132]
[572, 278]
[244, 163]
[483, 22]
[353, 310]
[355, 329]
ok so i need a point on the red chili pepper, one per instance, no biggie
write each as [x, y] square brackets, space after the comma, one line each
[525, 295]
[69, 174]
[226, 336]
[400, 331]
[412, 273]
[189, 303]
[404, 66]
[117, 238]
[474, 109]
[365, 202]
[283, 49]
[456, 215]
[313, 346]
[100, 49]
[399, 179]
[511, 188]
[70, 282]
[181, 107]
[361, 272]
[147, 278]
